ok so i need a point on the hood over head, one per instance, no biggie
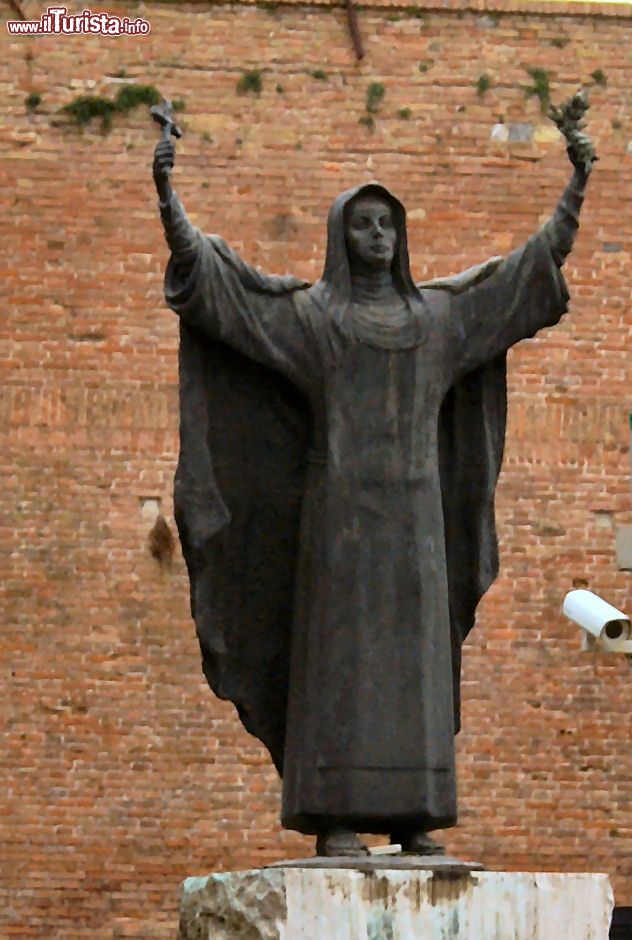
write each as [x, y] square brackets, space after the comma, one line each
[337, 275]
[337, 272]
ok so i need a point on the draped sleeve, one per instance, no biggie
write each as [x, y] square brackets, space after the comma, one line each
[524, 293]
[231, 302]
[480, 314]
[246, 364]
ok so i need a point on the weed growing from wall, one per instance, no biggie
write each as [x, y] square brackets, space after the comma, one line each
[251, 82]
[86, 107]
[540, 87]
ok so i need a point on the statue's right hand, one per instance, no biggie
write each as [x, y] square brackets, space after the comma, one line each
[164, 159]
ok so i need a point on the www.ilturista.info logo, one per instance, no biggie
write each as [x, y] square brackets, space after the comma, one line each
[58, 20]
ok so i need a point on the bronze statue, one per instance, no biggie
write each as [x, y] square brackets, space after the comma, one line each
[340, 447]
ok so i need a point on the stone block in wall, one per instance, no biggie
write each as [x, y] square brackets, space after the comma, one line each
[624, 548]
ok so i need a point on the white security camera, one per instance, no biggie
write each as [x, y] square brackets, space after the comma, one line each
[604, 627]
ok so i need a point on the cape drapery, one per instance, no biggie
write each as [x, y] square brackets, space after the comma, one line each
[245, 436]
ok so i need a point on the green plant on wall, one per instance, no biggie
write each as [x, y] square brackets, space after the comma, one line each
[599, 77]
[540, 87]
[131, 96]
[319, 75]
[415, 12]
[374, 95]
[251, 81]
[482, 84]
[86, 107]
[32, 101]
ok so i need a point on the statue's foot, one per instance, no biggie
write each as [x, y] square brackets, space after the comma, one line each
[339, 841]
[417, 842]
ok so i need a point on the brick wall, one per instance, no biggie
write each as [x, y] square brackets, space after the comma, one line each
[120, 773]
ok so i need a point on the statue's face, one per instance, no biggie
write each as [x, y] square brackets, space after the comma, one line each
[370, 232]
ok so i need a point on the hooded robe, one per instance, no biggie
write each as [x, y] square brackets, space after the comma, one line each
[335, 503]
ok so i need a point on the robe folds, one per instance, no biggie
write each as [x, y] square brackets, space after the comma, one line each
[335, 503]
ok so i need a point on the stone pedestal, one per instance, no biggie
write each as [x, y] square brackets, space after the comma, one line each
[394, 903]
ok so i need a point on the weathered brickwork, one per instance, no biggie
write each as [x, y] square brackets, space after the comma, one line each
[120, 774]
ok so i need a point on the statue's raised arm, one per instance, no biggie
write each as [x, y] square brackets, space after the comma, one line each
[164, 156]
[526, 290]
[562, 226]
[182, 237]
[164, 160]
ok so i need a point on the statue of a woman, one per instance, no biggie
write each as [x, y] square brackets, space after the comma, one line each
[340, 446]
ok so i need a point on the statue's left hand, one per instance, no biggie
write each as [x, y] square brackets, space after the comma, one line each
[569, 119]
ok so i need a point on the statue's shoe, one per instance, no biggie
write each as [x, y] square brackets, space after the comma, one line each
[417, 843]
[339, 842]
